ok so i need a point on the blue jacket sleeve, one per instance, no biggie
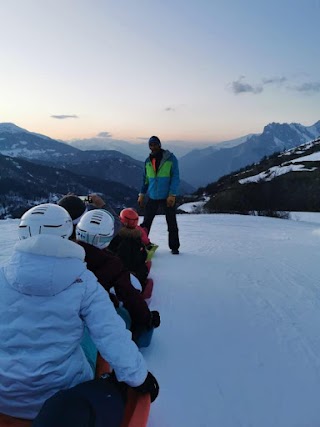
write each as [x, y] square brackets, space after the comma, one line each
[175, 178]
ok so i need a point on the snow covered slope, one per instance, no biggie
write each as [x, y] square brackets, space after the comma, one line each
[239, 342]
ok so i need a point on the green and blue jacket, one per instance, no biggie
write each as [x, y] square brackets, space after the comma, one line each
[159, 184]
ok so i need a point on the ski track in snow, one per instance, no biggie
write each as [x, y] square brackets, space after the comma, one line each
[239, 340]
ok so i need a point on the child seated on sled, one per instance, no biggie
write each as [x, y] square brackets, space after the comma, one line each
[129, 245]
[94, 232]
[129, 217]
[48, 299]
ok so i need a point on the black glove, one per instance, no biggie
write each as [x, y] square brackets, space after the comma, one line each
[150, 385]
[155, 319]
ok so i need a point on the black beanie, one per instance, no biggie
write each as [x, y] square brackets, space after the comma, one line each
[75, 206]
[154, 140]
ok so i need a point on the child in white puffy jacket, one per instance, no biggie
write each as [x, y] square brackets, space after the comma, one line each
[48, 297]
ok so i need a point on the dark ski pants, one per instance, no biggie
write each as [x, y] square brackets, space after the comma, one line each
[96, 403]
[151, 210]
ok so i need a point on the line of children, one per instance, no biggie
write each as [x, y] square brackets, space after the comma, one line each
[94, 232]
[48, 297]
[112, 273]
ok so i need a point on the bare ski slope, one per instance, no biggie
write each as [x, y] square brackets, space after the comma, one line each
[239, 343]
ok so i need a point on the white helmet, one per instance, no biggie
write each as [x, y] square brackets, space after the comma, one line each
[45, 219]
[96, 227]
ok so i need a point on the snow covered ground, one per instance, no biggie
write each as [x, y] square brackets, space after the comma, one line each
[239, 343]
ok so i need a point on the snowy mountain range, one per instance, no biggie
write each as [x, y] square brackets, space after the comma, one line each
[24, 184]
[109, 165]
[201, 167]
[140, 151]
[288, 181]
[106, 166]
[36, 168]
[18, 142]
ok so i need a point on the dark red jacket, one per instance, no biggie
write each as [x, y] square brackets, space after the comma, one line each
[110, 272]
[128, 246]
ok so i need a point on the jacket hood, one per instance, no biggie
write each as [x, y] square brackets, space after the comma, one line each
[166, 154]
[44, 265]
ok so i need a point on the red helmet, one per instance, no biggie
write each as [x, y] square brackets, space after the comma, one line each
[129, 218]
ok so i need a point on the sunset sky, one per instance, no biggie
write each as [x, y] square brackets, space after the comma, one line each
[181, 69]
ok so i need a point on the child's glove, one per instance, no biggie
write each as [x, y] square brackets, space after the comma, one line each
[141, 200]
[171, 200]
[155, 319]
[150, 385]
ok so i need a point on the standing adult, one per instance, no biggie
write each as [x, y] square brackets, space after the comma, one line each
[161, 181]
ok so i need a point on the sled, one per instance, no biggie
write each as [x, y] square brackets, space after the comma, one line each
[136, 411]
[144, 339]
[147, 291]
[148, 264]
[138, 405]
[7, 421]
[151, 250]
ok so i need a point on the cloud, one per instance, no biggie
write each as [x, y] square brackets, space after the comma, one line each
[64, 116]
[104, 135]
[239, 86]
[274, 80]
[310, 87]
[169, 109]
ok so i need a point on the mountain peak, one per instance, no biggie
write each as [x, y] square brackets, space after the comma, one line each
[276, 125]
[11, 128]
